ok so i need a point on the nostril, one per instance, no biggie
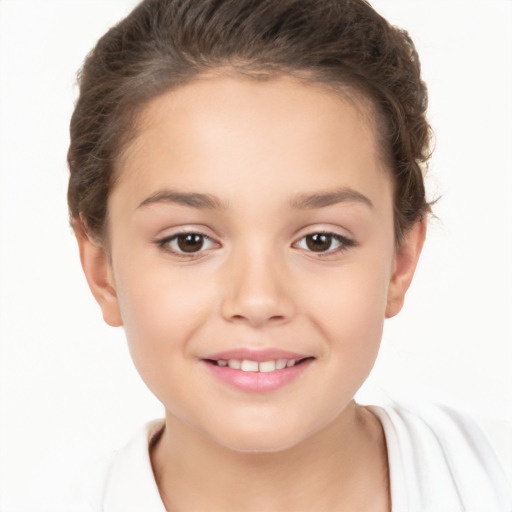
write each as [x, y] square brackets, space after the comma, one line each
[247, 309]
[255, 319]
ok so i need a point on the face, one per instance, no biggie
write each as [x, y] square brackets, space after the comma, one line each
[252, 257]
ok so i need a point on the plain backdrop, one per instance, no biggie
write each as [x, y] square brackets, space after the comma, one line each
[68, 388]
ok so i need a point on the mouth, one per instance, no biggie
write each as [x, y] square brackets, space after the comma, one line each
[249, 365]
[257, 372]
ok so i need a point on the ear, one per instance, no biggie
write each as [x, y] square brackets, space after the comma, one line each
[406, 259]
[98, 272]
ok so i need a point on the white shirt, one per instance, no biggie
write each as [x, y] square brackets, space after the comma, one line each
[439, 461]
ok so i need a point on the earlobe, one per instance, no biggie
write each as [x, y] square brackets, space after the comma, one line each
[98, 272]
[406, 259]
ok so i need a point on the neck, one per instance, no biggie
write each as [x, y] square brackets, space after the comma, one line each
[343, 467]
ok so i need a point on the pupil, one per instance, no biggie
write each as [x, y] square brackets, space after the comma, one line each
[190, 242]
[319, 242]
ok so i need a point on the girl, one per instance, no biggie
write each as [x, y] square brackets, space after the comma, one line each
[247, 194]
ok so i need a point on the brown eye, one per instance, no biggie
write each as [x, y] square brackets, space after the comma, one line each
[319, 242]
[190, 242]
[324, 242]
[187, 243]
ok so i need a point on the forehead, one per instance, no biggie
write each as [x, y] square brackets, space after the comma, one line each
[230, 133]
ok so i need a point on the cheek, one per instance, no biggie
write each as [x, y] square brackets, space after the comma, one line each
[161, 311]
[350, 309]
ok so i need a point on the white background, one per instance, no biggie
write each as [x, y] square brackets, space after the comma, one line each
[68, 387]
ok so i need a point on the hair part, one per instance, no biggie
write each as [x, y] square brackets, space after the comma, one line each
[163, 44]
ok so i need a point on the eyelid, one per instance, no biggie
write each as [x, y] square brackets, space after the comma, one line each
[163, 243]
[344, 241]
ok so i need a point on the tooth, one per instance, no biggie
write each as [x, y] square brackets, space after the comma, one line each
[234, 363]
[249, 366]
[267, 366]
[290, 363]
[280, 364]
[221, 362]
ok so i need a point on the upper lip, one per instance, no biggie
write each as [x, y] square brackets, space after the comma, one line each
[269, 354]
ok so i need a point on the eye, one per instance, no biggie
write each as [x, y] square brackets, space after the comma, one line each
[187, 243]
[324, 242]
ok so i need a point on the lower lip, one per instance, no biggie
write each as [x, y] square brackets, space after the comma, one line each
[258, 382]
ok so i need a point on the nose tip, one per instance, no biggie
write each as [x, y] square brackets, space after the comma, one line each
[254, 313]
[257, 295]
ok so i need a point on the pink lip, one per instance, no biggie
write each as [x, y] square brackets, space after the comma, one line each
[269, 354]
[257, 382]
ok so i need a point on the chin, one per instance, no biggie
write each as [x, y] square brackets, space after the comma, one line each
[261, 439]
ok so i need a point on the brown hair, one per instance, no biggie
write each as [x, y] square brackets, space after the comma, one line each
[165, 43]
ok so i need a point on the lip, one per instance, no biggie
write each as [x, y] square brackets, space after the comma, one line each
[256, 355]
[257, 382]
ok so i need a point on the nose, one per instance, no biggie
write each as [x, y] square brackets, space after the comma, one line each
[256, 291]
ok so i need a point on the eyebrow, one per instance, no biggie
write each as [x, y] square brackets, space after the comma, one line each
[300, 202]
[193, 199]
[328, 198]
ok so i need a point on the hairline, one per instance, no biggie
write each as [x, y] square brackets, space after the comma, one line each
[350, 90]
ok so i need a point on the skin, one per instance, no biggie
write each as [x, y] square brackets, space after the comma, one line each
[257, 148]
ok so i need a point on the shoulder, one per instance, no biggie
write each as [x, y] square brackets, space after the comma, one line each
[439, 457]
[122, 480]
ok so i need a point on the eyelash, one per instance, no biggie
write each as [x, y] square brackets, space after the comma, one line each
[344, 243]
[165, 244]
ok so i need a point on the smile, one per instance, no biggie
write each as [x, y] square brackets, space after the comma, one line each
[260, 373]
[247, 365]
